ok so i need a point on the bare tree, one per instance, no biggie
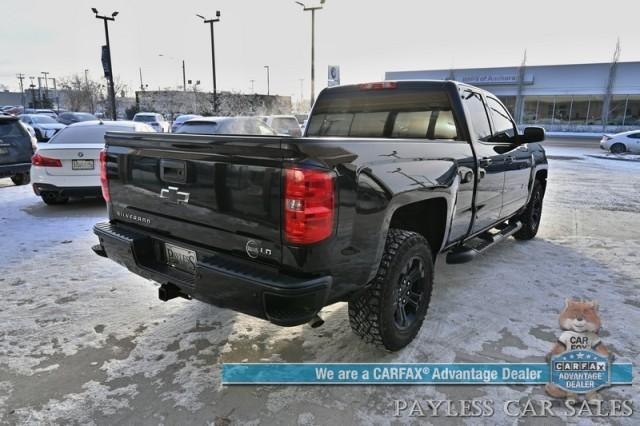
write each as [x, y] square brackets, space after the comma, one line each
[613, 68]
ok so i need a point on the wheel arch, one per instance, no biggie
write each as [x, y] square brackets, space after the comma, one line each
[427, 218]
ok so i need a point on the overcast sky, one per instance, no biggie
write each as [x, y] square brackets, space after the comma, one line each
[365, 37]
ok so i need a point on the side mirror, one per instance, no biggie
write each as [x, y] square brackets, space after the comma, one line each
[532, 134]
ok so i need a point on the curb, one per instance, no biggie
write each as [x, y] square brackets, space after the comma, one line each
[602, 157]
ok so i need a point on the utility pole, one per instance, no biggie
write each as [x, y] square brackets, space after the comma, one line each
[55, 90]
[252, 85]
[301, 89]
[109, 69]
[213, 56]
[312, 9]
[32, 86]
[141, 84]
[268, 79]
[184, 77]
[39, 92]
[21, 77]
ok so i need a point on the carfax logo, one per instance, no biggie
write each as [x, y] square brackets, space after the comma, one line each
[579, 361]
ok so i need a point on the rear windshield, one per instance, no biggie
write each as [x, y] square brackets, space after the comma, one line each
[420, 113]
[83, 134]
[284, 124]
[145, 118]
[11, 129]
[43, 119]
[199, 128]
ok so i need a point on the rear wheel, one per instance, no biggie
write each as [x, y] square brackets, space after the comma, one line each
[21, 179]
[53, 198]
[531, 216]
[618, 148]
[390, 312]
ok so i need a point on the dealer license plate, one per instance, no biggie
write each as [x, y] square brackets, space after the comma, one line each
[82, 164]
[180, 258]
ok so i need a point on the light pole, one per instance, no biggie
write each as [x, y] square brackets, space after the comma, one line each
[252, 85]
[112, 90]
[268, 79]
[213, 56]
[184, 72]
[313, 42]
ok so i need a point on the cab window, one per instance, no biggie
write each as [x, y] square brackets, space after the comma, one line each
[503, 128]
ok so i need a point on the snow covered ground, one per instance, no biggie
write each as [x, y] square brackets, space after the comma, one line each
[83, 340]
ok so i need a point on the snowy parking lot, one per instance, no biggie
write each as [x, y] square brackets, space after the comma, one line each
[83, 340]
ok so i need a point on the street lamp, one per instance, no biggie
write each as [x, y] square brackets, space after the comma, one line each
[184, 72]
[268, 78]
[213, 56]
[108, 68]
[313, 40]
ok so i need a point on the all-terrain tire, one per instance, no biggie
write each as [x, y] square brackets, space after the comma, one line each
[374, 314]
[21, 179]
[531, 216]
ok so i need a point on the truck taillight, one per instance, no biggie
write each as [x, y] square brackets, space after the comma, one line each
[381, 85]
[42, 161]
[103, 175]
[308, 205]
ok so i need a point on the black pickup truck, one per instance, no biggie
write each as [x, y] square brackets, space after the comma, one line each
[387, 176]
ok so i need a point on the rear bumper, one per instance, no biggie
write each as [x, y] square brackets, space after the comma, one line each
[220, 279]
[69, 191]
[14, 169]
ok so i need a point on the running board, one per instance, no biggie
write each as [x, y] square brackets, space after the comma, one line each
[463, 254]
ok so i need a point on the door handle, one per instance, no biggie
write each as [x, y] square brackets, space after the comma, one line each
[485, 161]
[508, 159]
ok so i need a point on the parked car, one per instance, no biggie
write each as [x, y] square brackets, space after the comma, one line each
[284, 124]
[622, 142]
[45, 127]
[179, 121]
[389, 175]
[68, 165]
[226, 126]
[16, 148]
[153, 119]
[48, 112]
[75, 117]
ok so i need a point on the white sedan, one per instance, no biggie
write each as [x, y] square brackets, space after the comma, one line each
[622, 142]
[68, 166]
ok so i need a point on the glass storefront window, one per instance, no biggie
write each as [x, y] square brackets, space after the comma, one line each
[562, 110]
[530, 112]
[579, 109]
[595, 110]
[510, 103]
[632, 116]
[616, 110]
[545, 109]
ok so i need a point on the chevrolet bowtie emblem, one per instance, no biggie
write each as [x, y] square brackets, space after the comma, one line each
[173, 195]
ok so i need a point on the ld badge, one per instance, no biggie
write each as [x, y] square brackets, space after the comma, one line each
[580, 371]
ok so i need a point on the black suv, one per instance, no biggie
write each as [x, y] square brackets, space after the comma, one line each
[15, 150]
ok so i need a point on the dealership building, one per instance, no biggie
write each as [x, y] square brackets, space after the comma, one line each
[572, 98]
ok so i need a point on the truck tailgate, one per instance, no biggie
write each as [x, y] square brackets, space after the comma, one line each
[220, 192]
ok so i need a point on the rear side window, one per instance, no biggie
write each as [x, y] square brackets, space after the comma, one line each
[398, 112]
